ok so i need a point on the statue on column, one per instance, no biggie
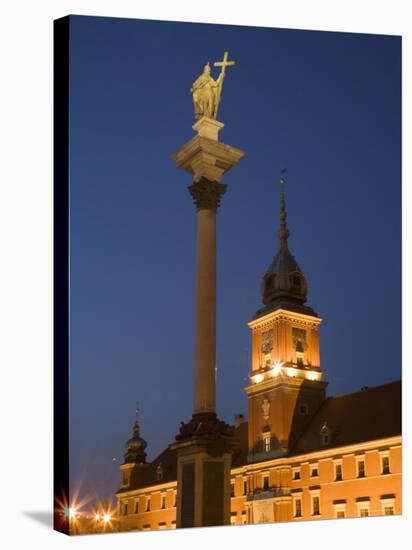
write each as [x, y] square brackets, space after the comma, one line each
[207, 91]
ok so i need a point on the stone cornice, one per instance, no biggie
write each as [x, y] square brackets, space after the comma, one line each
[280, 315]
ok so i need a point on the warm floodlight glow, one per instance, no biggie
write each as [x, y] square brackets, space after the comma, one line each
[290, 371]
[106, 518]
[70, 512]
[277, 368]
[97, 517]
[258, 378]
[312, 375]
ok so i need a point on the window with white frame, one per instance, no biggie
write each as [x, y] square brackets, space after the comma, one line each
[315, 504]
[125, 477]
[314, 470]
[388, 505]
[363, 506]
[297, 502]
[296, 473]
[339, 508]
[245, 486]
[338, 471]
[266, 442]
[385, 465]
[360, 467]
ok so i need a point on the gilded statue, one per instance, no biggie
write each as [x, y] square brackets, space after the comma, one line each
[207, 91]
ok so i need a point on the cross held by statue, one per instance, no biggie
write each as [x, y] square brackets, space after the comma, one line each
[225, 63]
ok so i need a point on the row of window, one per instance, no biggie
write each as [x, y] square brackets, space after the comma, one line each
[314, 472]
[360, 466]
[362, 504]
[138, 508]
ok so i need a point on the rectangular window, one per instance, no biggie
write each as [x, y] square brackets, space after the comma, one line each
[363, 505]
[266, 443]
[125, 509]
[298, 508]
[388, 505]
[385, 465]
[245, 486]
[265, 482]
[314, 472]
[361, 468]
[163, 502]
[296, 474]
[232, 489]
[148, 504]
[338, 472]
[136, 506]
[315, 506]
[339, 507]
[244, 518]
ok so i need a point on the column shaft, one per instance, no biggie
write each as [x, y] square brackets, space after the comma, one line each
[205, 338]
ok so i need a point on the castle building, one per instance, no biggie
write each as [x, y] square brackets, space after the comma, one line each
[300, 455]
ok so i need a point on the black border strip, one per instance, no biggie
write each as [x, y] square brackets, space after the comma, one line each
[61, 29]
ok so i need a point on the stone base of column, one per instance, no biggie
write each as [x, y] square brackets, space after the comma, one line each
[204, 456]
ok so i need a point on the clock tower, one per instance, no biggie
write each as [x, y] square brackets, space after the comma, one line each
[286, 384]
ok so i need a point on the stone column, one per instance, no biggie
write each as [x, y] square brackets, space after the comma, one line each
[206, 195]
[204, 444]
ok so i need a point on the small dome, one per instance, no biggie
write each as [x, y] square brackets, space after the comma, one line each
[135, 447]
[284, 279]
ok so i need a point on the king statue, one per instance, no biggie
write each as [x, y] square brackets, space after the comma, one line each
[207, 92]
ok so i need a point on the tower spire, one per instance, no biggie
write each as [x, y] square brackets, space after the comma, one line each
[283, 230]
[136, 429]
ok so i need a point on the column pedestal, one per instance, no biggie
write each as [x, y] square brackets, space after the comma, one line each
[204, 448]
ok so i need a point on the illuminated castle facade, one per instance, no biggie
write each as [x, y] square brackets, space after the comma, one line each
[300, 455]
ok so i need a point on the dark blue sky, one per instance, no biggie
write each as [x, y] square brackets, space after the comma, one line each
[327, 106]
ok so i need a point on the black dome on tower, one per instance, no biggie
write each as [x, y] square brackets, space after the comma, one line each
[135, 446]
[284, 283]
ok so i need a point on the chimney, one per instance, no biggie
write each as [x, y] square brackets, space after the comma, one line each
[239, 419]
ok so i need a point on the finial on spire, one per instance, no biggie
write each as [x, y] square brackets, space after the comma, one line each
[136, 429]
[283, 230]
